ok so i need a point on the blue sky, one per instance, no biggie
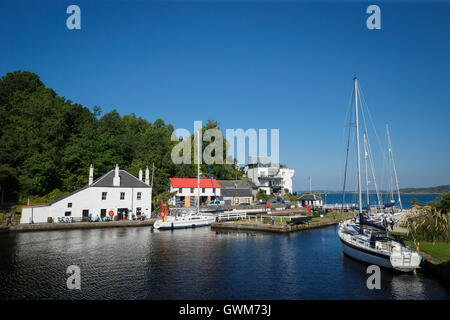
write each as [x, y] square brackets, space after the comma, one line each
[286, 65]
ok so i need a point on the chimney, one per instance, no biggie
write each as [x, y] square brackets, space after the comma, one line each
[147, 176]
[116, 179]
[140, 174]
[91, 175]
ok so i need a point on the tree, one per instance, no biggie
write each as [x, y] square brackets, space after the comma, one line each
[262, 195]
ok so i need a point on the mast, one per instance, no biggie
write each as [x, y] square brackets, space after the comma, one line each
[358, 155]
[367, 174]
[357, 145]
[198, 172]
[393, 165]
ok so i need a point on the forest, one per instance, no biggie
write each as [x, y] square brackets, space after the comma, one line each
[47, 143]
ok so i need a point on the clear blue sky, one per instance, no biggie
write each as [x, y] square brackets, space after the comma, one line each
[256, 65]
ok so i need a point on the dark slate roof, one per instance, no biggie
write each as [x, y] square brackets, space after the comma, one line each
[244, 183]
[235, 192]
[310, 197]
[127, 180]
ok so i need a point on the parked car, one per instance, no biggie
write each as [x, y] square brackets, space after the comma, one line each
[261, 202]
[244, 204]
[216, 202]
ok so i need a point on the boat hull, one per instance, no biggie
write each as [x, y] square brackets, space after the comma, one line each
[385, 260]
[364, 256]
[172, 226]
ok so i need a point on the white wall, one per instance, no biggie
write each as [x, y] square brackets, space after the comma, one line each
[91, 199]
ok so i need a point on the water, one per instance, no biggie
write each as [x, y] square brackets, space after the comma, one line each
[332, 198]
[137, 263]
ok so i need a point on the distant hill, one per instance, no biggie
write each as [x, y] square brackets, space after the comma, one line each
[438, 189]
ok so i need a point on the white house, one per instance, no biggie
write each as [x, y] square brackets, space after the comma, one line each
[313, 200]
[185, 190]
[269, 177]
[117, 193]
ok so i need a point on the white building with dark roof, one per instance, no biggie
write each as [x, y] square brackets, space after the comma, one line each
[271, 177]
[115, 194]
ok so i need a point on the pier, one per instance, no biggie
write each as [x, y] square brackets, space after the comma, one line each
[266, 224]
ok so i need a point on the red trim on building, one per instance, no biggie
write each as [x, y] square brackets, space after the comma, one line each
[192, 183]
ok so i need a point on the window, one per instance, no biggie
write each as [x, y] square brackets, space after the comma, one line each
[203, 190]
[122, 196]
[104, 195]
[69, 205]
[139, 196]
[180, 190]
[103, 213]
[192, 190]
[67, 213]
[138, 210]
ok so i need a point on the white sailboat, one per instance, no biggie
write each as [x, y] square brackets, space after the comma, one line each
[359, 236]
[192, 219]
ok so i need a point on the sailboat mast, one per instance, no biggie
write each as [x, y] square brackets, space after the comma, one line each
[357, 146]
[367, 174]
[393, 165]
[198, 171]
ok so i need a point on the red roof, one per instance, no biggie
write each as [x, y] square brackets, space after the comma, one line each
[192, 183]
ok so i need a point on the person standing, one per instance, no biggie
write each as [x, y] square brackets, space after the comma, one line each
[9, 219]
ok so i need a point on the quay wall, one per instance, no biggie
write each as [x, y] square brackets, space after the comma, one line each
[272, 228]
[79, 225]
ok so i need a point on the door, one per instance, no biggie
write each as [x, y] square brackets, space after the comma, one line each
[85, 214]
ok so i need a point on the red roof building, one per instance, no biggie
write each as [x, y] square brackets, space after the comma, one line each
[192, 183]
[186, 192]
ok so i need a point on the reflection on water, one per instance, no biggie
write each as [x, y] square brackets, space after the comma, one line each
[138, 263]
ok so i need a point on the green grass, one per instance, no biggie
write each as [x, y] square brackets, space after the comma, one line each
[438, 250]
[329, 216]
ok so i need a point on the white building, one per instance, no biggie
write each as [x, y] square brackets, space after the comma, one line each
[313, 200]
[185, 191]
[117, 193]
[269, 177]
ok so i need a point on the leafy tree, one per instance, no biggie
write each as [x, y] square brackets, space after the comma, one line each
[262, 195]
[47, 143]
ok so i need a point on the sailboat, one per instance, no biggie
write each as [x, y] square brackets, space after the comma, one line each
[193, 219]
[364, 240]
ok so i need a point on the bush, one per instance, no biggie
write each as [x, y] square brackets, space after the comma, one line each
[430, 224]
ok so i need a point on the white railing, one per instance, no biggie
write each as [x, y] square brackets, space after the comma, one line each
[232, 216]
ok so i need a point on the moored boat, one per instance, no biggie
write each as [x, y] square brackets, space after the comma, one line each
[363, 238]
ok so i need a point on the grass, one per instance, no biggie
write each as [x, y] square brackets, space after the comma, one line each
[329, 216]
[438, 250]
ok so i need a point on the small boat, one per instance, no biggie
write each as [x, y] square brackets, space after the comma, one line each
[186, 220]
[364, 238]
[193, 220]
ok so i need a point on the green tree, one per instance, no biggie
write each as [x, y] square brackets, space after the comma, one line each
[262, 195]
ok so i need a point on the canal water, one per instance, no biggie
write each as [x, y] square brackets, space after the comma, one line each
[138, 263]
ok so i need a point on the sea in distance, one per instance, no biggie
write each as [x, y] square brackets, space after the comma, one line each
[352, 197]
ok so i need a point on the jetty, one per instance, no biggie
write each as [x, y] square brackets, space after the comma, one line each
[267, 224]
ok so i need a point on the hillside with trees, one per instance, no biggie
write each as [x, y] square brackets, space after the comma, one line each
[48, 142]
[438, 189]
